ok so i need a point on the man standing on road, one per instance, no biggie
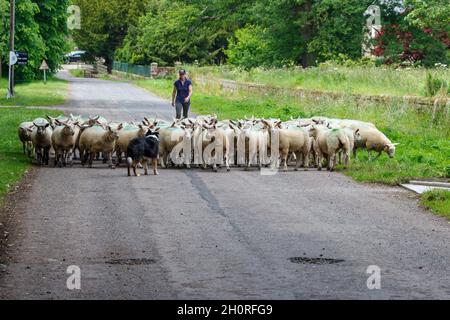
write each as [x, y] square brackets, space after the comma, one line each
[181, 96]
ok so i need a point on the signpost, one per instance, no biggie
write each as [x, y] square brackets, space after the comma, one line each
[22, 58]
[44, 67]
[12, 55]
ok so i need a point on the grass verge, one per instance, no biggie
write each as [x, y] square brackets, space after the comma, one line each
[424, 150]
[35, 93]
[438, 201]
[334, 78]
[13, 163]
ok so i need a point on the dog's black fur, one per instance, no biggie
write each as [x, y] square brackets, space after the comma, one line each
[141, 150]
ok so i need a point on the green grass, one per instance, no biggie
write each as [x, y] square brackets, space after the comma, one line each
[77, 73]
[438, 201]
[424, 150]
[13, 163]
[332, 78]
[35, 93]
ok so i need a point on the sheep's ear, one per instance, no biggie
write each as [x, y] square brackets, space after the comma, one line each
[395, 144]
[120, 127]
[30, 129]
[357, 130]
[47, 125]
[157, 129]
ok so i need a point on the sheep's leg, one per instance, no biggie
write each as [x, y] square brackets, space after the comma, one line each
[64, 158]
[129, 169]
[379, 155]
[155, 167]
[46, 156]
[340, 157]
[298, 160]
[284, 157]
[306, 160]
[24, 149]
[56, 163]
[109, 159]
[164, 160]
[319, 161]
[227, 163]
[91, 159]
[331, 162]
[118, 157]
[355, 153]
[369, 154]
[70, 155]
[346, 159]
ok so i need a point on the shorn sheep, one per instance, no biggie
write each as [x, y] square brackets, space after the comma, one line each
[42, 140]
[63, 141]
[97, 139]
[204, 141]
[24, 133]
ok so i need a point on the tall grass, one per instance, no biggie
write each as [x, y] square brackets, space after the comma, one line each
[331, 78]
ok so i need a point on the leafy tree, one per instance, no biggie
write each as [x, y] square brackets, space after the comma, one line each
[40, 31]
[183, 31]
[249, 48]
[429, 14]
[105, 24]
[404, 39]
[52, 21]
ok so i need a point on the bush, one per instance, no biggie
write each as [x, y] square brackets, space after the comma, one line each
[434, 86]
[249, 48]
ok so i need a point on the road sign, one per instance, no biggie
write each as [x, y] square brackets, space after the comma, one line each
[12, 58]
[44, 65]
[22, 58]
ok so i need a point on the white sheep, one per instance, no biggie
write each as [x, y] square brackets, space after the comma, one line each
[42, 140]
[63, 141]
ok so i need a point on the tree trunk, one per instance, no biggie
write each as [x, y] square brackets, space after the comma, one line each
[307, 31]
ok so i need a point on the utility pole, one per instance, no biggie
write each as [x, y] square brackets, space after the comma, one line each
[11, 48]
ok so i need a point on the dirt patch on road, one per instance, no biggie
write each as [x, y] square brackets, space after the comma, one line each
[8, 222]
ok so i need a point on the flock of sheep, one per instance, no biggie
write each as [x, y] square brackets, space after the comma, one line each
[205, 141]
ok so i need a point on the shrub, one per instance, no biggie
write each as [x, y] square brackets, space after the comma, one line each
[434, 86]
[249, 48]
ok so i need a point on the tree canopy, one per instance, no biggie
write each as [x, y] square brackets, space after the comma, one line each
[40, 31]
[276, 33]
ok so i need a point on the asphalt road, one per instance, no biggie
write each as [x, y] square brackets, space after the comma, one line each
[192, 234]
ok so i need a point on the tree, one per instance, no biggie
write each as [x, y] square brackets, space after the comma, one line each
[249, 48]
[429, 14]
[40, 31]
[183, 31]
[52, 21]
[104, 25]
[418, 39]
